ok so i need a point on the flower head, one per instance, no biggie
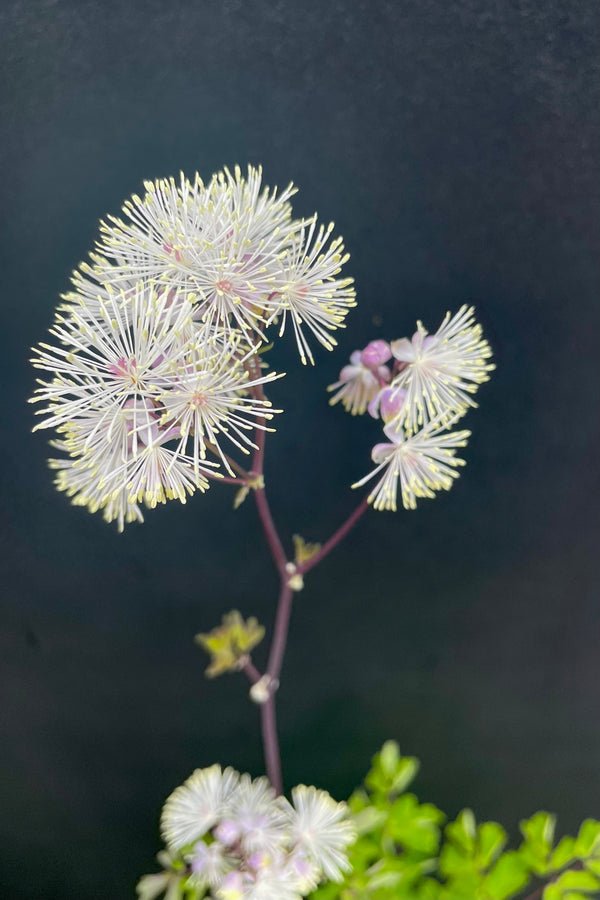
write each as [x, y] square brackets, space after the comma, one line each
[358, 384]
[440, 372]
[197, 805]
[309, 291]
[138, 392]
[234, 251]
[245, 843]
[422, 463]
[320, 827]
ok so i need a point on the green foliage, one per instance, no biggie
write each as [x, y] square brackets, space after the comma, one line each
[404, 852]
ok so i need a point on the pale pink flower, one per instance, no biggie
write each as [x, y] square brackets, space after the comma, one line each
[358, 384]
[420, 464]
[440, 372]
[375, 354]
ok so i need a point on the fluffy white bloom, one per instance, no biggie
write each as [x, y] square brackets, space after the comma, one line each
[112, 354]
[210, 863]
[211, 397]
[440, 372]
[358, 384]
[249, 844]
[423, 463]
[308, 289]
[258, 815]
[138, 391]
[321, 828]
[197, 805]
[232, 250]
[218, 243]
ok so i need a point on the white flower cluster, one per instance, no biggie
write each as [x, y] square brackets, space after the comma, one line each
[419, 388]
[155, 362]
[241, 842]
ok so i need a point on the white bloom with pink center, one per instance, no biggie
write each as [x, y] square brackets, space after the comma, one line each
[218, 243]
[440, 372]
[113, 361]
[259, 815]
[211, 398]
[209, 863]
[110, 355]
[321, 829]
[309, 291]
[358, 384]
[197, 805]
[421, 463]
[245, 843]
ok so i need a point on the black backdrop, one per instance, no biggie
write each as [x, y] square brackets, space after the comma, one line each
[454, 145]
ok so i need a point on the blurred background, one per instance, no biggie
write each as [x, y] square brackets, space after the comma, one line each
[455, 146]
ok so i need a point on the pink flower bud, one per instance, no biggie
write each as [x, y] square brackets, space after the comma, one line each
[382, 452]
[376, 354]
[388, 403]
[228, 832]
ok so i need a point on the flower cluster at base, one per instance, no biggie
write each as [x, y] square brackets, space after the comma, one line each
[156, 359]
[419, 388]
[232, 838]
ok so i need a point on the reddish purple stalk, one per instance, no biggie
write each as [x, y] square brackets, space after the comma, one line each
[335, 538]
[286, 570]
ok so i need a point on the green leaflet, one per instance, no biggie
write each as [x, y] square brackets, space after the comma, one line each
[404, 850]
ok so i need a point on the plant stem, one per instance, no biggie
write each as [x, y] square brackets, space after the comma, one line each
[335, 538]
[264, 510]
[251, 671]
[268, 719]
[280, 632]
[268, 724]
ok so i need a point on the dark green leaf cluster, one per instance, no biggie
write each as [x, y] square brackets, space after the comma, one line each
[406, 851]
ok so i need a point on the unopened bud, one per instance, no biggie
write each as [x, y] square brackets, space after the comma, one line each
[295, 581]
[376, 354]
[262, 689]
[388, 403]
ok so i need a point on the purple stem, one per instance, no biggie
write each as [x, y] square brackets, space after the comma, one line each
[264, 510]
[251, 671]
[268, 725]
[280, 633]
[335, 538]
[284, 607]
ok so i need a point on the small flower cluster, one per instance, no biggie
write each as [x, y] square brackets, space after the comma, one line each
[238, 841]
[156, 358]
[419, 388]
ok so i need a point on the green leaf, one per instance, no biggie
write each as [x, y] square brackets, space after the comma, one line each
[539, 829]
[369, 820]
[463, 831]
[391, 773]
[538, 832]
[509, 875]
[563, 854]
[588, 839]
[491, 838]
[389, 757]
[593, 866]
[454, 862]
[151, 886]
[570, 882]
[415, 825]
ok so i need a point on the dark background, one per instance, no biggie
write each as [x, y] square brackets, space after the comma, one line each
[455, 146]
